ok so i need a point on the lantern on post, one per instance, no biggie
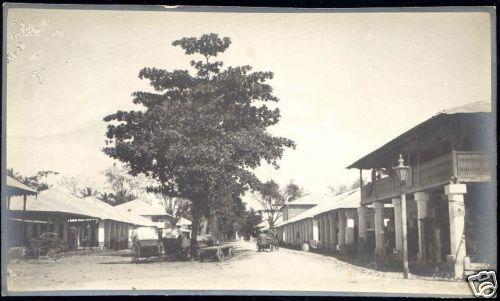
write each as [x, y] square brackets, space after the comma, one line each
[401, 170]
[402, 174]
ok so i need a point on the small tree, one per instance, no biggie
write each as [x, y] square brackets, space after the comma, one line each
[176, 208]
[38, 181]
[124, 186]
[339, 189]
[273, 199]
[71, 185]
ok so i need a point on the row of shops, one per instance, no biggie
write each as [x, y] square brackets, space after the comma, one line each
[81, 222]
[439, 212]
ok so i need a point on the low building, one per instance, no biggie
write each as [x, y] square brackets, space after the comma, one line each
[328, 226]
[152, 208]
[17, 227]
[296, 207]
[449, 195]
[81, 222]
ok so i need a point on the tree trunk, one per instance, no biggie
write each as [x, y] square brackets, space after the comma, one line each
[194, 230]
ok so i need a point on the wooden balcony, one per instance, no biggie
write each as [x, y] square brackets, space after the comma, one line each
[465, 166]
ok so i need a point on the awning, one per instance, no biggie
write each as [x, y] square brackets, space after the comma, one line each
[14, 187]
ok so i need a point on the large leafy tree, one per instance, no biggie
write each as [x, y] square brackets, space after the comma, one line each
[199, 134]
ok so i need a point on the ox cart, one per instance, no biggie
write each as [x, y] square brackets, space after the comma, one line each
[146, 244]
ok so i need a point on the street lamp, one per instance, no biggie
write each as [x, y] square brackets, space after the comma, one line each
[401, 170]
[402, 174]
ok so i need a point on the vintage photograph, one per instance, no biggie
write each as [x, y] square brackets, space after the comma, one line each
[249, 151]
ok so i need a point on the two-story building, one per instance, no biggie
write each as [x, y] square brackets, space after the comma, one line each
[450, 195]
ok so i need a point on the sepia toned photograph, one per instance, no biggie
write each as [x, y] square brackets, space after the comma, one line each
[181, 150]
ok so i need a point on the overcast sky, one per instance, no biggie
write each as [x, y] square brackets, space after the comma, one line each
[347, 82]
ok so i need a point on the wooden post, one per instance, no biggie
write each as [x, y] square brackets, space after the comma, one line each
[25, 238]
[418, 161]
[405, 236]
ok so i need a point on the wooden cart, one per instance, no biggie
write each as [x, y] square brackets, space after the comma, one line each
[146, 244]
[218, 253]
[265, 242]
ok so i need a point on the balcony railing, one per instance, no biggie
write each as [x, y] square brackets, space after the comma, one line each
[465, 166]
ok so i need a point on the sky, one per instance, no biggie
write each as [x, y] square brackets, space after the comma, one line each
[347, 82]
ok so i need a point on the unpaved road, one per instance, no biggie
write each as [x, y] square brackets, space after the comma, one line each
[285, 270]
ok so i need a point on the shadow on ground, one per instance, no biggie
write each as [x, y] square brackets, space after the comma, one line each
[391, 266]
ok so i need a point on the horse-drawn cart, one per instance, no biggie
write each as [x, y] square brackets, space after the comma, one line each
[146, 244]
[266, 241]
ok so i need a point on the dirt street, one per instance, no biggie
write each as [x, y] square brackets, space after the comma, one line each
[284, 270]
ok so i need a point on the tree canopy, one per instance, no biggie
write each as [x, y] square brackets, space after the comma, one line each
[199, 135]
[273, 199]
[37, 181]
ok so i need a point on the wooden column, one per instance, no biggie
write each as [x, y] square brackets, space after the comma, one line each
[349, 228]
[456, 210]
[422, 199]
[405, 236]
[327, 231]
[315, 230]
[25, 238]
[333, 230]
[379, 227]
[398, 226]
[342, 227]
[362, 223]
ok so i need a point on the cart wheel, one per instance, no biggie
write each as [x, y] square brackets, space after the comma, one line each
[219, 255]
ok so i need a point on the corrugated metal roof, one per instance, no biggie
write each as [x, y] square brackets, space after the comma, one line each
[115, 213]
[53, 200]
[14, 187]
[349, 199]
[147, 204]
[57, 200]
[310, 199]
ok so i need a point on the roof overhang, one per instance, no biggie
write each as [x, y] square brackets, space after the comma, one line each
[373, 159]
[16, 188]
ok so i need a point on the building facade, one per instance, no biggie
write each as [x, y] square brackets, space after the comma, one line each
[450, 197]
